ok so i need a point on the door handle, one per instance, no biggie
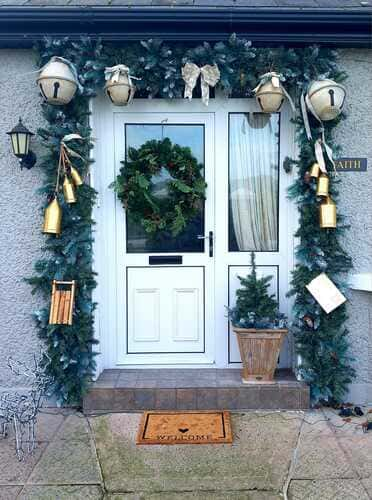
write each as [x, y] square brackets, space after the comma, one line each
[210, 239]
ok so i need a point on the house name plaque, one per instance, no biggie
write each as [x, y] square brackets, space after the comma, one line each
[351, 164]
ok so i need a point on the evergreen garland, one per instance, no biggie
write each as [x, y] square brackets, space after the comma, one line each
[321, 339]
[323, 347]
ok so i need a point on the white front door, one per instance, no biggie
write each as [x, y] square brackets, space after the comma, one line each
[162, 301]
[167, 312]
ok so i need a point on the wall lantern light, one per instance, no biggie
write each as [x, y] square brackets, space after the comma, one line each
[21, 137]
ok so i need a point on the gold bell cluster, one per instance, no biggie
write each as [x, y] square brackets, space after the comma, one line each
[71, 180]
[327, 209]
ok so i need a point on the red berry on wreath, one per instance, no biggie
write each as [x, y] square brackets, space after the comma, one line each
[170, 164]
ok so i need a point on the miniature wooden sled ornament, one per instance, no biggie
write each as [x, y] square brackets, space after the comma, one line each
[62, 304]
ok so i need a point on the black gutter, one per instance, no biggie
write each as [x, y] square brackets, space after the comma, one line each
[22, 26]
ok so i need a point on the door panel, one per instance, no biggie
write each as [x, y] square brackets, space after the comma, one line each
[165, 310]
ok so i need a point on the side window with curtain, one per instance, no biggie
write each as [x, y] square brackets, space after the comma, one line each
[253, 182]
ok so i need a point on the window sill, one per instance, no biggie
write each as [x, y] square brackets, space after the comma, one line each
[362, 282]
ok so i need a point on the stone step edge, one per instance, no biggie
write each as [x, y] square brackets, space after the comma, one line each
[222, 398]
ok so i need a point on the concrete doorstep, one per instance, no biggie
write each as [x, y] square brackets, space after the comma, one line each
[301, 455]
[189, 389]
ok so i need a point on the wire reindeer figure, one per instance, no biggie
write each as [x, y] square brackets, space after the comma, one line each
[21, 409]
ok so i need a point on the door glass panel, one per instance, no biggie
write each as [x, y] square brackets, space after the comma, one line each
[253, 181]
[138, 241]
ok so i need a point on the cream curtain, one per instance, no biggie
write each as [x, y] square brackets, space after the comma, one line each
[254, 180]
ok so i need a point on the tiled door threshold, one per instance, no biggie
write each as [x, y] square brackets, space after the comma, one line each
[188, 389]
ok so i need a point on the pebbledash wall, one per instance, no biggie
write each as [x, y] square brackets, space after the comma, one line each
[21, 219]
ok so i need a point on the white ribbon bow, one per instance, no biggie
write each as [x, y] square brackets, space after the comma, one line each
[209, 76]
[320, 143]
[113, 73]
[275, 81]
[72, 152]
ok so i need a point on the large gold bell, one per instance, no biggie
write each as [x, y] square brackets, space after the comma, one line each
[327, 214]
[68, 191]
[53, 218]
[315, 170]
[322, 188]
[75, 176]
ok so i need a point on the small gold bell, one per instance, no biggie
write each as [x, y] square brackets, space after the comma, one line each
[53, 218]
[69, 191]
[327, 214]
[315, 170]
[76, 179]
[323, 185]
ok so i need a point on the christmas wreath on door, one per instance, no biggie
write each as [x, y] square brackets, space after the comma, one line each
[178, 202]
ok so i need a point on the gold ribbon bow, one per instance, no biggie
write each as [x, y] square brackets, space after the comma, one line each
[209, 76]
[275, 81]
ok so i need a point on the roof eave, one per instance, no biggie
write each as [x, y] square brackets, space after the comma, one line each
[22, 26]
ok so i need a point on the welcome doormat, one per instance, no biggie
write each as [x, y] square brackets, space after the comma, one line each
[190, 427]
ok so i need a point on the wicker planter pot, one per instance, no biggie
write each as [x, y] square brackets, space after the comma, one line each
[259, 351]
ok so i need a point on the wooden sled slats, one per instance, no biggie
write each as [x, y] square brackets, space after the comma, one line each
[62, 303]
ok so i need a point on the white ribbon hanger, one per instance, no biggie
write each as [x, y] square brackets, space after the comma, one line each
[320, 142]
[275, 81]
[113, 73]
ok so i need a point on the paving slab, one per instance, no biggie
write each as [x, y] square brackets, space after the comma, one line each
[359, 449]
[67, 462]
[316, 424]
[334, 489]
[48, 423]
[74, 428]
[12, 471]
[9, 492]
[321, 457]
[367, 483]
[204, 495]
[258, 459]
[61, 493]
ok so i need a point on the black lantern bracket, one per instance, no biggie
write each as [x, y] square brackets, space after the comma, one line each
[27, 161]
[20, 139]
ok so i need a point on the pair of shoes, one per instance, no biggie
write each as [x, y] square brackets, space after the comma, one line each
[351, 412]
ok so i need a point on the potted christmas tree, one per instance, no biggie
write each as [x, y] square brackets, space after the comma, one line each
[259, 326]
